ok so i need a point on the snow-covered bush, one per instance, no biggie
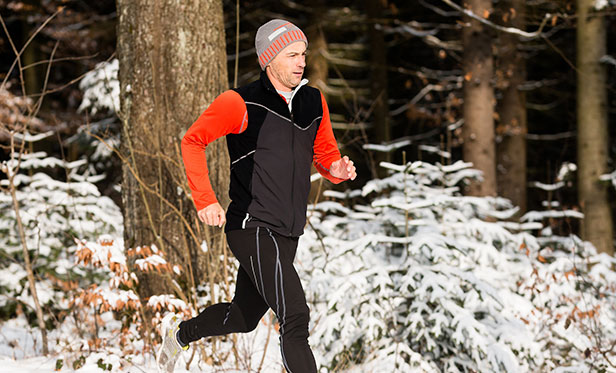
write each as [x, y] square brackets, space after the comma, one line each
[424, 279]
[57, 201]
[101, 88]
[100, 135]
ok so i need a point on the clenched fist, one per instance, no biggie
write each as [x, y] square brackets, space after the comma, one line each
[213, 215]
[343, 169]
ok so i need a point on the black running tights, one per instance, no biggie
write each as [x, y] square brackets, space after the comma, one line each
[266, 279]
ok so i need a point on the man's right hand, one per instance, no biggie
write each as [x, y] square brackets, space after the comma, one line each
[212, 215]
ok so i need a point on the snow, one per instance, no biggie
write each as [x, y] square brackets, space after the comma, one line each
[600, 4]
[608, 59]
[405, 274]
[101, 88]
[387, 147]
[445, 281]
[609, 177]
[547, 187]
[566, 169]
[32, 138]
[435, 150]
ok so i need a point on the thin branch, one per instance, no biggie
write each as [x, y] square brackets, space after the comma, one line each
[60, 60]
[146, 187]
[29, 270]
[437, 10]
[70, 82]
[509, 30]
[18, 54]
[551, 137]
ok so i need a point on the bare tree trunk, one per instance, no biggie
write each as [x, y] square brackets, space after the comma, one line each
[592, 124]
[512, 129]
[316, 61]
[478, 129]
[318, 73]
[172, 66]
[378, 81]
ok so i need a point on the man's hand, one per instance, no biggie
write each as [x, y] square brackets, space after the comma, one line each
[343, 169]
[212, 215]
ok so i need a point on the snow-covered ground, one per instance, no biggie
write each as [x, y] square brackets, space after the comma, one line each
[403, 275]
[20, 351]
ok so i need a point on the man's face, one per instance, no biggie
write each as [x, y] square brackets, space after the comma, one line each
[286, 69]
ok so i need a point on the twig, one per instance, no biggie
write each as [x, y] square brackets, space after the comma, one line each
[18, 54]
[269, 332]
[509, 30]
[29, 271]
[41, 62]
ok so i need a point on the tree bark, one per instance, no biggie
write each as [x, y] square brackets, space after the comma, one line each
[172, 65]
[592, 124]
[478, 129]
[315, 61]
[378, 82]
[318, 73]
[512, 129]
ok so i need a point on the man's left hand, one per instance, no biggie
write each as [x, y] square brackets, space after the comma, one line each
[343, 169]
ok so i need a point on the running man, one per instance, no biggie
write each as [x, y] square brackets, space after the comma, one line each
[276, 127]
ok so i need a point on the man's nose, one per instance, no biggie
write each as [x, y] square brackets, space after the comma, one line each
[302, 62]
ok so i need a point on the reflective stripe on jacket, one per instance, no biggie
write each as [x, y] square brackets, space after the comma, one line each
[271, 149]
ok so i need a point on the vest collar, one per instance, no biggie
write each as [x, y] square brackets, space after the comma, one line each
[270, 87]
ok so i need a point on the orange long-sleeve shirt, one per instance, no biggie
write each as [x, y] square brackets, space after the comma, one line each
[228, 115]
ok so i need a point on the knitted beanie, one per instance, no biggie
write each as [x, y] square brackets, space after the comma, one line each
[273, 37]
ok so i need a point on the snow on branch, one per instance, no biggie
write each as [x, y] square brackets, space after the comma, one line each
[386, 148]
[101, 88]
[509, 30]
[607, 59]
[451, 279]
[609, 177]
[168, 302]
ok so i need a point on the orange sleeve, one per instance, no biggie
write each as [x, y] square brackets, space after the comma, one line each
[325, 147]
[227, 114]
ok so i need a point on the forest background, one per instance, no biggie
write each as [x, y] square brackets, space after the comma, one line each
[96, 103]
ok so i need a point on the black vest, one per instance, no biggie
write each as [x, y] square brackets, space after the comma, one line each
[271, 159]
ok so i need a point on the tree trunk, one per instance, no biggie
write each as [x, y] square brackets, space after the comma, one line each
[593, 135]
[512, 129]
[172, 65]
[318, 72]
[378, 83]
[478, 129]
[316, 62]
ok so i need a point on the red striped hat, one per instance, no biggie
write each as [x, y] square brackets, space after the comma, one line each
[273, 37]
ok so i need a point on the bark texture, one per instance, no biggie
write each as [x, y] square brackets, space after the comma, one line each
[592, 125]
[378, 82]
[318, 73]
[478, 129]
[315, 61]
[512, 129]
[172, 66]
